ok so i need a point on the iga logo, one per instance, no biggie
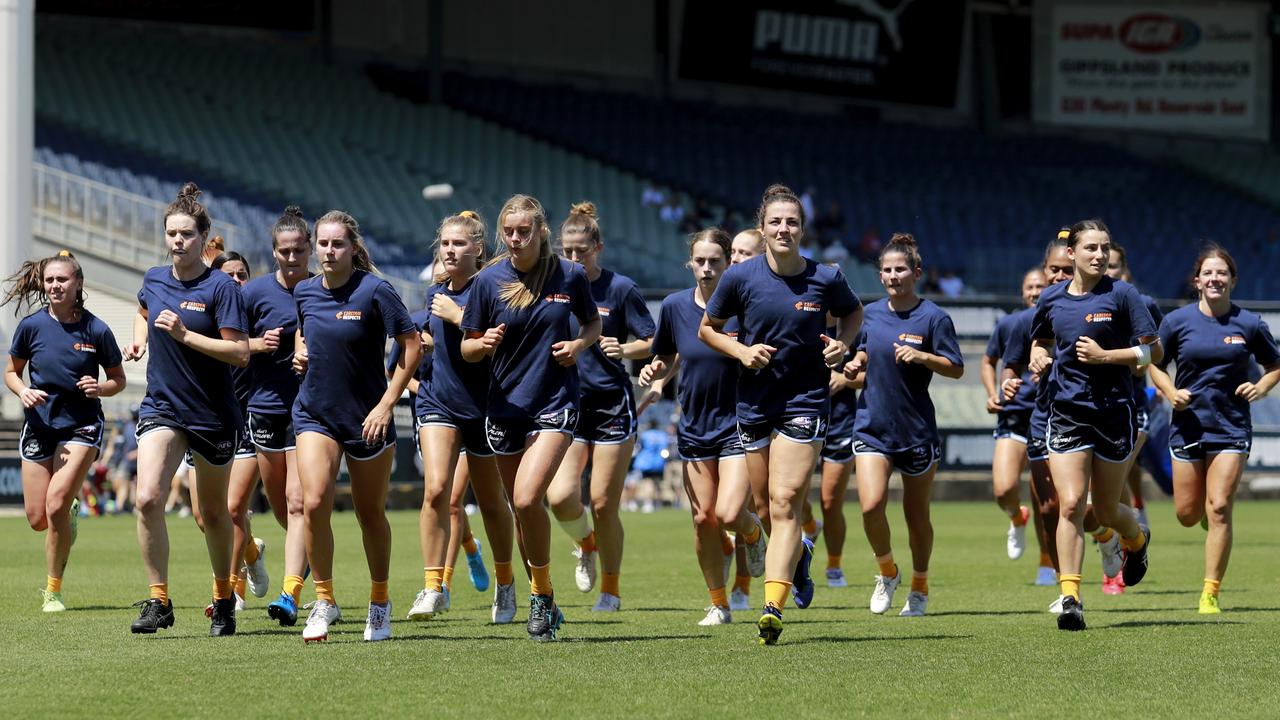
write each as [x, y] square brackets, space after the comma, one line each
[1098, 317]
[1233, 340]
[193, 306]
[1151, 33]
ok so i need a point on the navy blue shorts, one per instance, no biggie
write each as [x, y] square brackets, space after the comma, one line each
[510, 436]
[37, 444]
[217, 447]
[911, 462]
[1196, 451]
[272, 433]
[474, 440]
[1110, 433]
[728, 445]
[355, 448]
[801, 429]
[607, 418]
[1013, 425]
[838, 449]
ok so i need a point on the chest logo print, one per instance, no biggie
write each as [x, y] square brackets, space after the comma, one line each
[1233, 340]
[1098, 317]
[604, 311]
[558, 298]
[193, 306]
[84, 347]
[910, 338]
[349, 315]
[807, 306]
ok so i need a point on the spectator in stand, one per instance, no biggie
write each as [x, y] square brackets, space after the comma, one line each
[951, 284]
[831, 222]
[806, 202]
[931, 286]
[869, 246]
[652, 196]
[835, 253]
[673, 211]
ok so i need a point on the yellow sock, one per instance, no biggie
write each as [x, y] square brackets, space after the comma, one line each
[469, 544]
[378, 592]
[753, 535]
[239, 584]
[53, 584]
[810, 527]
[743, 583]
[324, 591]
[1070, 585]
[1211, 587]
[1134, 544]
[726, 543]
[1045, 560]
[920, 582]
[718, 597]
[222, 588]
[160, 591]
[833, 562]
[250, 552]
[609, 584]
[1103, 534]
[540, 583]
[502, 570]
[293, 587]
[433, 578]
[588, 543]
[888, 568]
[448, 576]
[776, 592]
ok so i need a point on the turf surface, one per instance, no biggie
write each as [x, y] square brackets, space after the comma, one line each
[987, 648]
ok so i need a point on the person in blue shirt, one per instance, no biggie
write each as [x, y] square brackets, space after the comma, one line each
[836, 467]
[62, 346]
[1013, 423]
[191, 319]
[518, 316]
[1086, 329]
[714, 464]
[1214, 344]
[344, 408]
[449, 408]
[905, 341]
[782, 302]
[606, 432]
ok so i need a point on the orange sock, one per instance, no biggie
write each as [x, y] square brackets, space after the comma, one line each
[502, 570]
[52, 584]
[609, 584]
[1211, 587]
[833, 562]
[324, 590]
[776, 592]
[540, 583]
[1104, 534]
[718, 597]
[1021, 517]
[888, 568]
[469, 544]
[378, 592]
[160, 591]
[221, 588]
[1070, 585]
[810, 527]
[726, 543]
[742, 583]
[1134, 544]
[293, 587]
[588, 543]
[448, 576]
[433, 578]
[752, 536]
[920, 582]
[239, 584]
[251, 552]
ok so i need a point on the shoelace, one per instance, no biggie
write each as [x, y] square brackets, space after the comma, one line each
[538, 611]
[318, 610]
[377, 615]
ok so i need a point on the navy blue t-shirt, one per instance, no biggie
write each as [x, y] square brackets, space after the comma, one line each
[453, 384]
[1114, 315]
[346, 331]
[1024, 399]
[526, 381]
[423, 373]
[622, 311]
[57, 356]
[1140, 397]
[1214, 356]
[895, 412]
[790, 314]
[183, 384]
[269, 305]
[844, 404]
[1017, 352]
[708, 389]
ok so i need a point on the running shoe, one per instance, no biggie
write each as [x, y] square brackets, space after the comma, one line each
[239, 605]
[1142, 516]
[801, 581]
[607, 603]
[52, 602]
[75, 519]
[323, 614]
[817, 530]
[716, 615]
[448, 597]
[756, 551]
[476, 569]
[584, 573]
[222, 623]
[728, 566]
[1046, 576]
[917, 604]
[377, 624]
[545, 618]
[1016, 542]
[284, 610]
[835, 578]
[1209, 604]
[504, 604]
[882, 595]
[770, 625]
[256, 575]
[1055, 607]
[1135, 563]
[739, 600]
[1113, 585]
[155, 615]
[427, 605]
[1072, 615]
[1112, 555]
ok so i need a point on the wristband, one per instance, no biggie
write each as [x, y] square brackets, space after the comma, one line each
[1143, 353]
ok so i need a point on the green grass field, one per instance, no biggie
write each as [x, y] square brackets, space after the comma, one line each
[988, 648]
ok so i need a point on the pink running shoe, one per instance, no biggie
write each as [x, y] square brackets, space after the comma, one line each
[1113, 585]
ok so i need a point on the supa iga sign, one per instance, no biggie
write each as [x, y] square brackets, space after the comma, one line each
[1181, 67]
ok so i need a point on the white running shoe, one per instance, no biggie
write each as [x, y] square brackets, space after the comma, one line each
[377, 626]
[1112, 558]
[739, 600]
[1055, 607]
[817, 530]
[728, 566]
[917, 603]
[716, 615]
[323, 614]
[584, 575]
[239, 602]
[257, 577]
[882, 596]
[835, 578]
[504, 604]
[448, 597]
[756, 551]
[607, 603]
[1016, 543]
[427, 605]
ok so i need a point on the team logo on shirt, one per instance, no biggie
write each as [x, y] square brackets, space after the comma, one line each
[84, 347]
[807, 306]
[558, 298]
[1233, 340]
[1098, 317]
[733, 335]
[349, 315]
[604, 311]
[911, 338]
[193, 306]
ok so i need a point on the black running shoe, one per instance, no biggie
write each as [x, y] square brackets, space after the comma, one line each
[155, 615]
[223, 619]
[1135, 563]
[544, 618]
[1072, 615]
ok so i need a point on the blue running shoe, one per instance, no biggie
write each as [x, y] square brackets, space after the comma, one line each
[475, 566]
[284, 610]
[801, 582]
[770, 625]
